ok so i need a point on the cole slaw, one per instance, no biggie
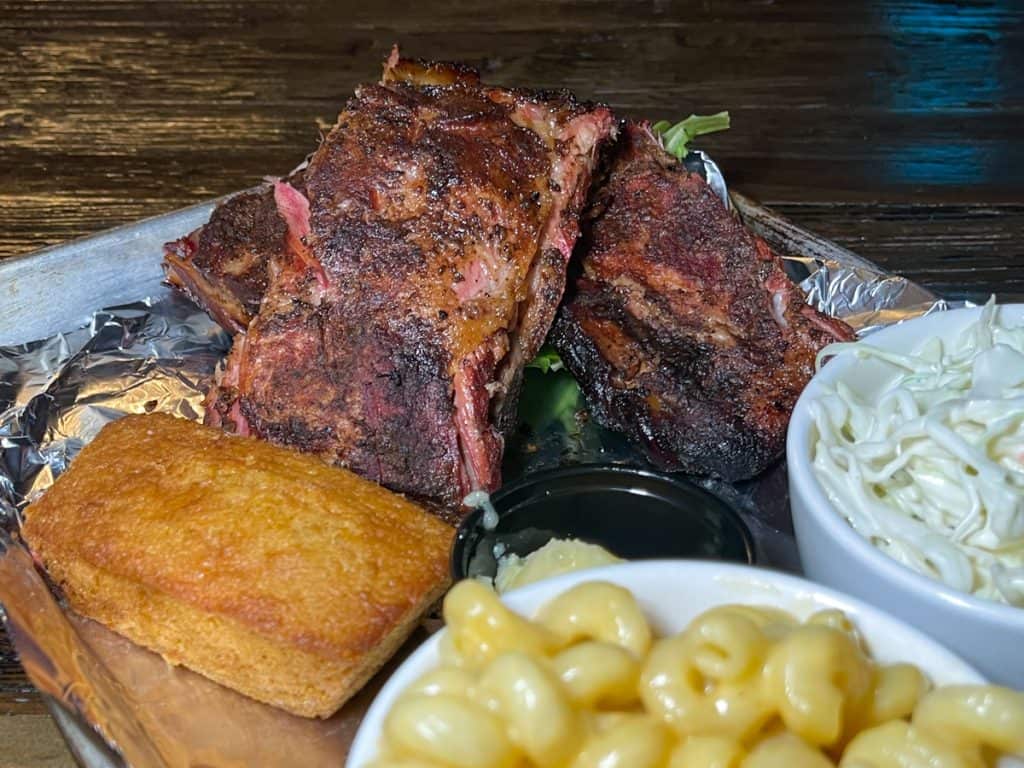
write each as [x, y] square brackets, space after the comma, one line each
[931, 469]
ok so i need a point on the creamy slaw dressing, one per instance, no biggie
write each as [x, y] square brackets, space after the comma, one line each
[931, 469]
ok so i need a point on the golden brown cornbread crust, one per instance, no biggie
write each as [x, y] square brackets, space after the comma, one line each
[263, 569]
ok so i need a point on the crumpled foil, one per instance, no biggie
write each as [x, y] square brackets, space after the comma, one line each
[159, 354]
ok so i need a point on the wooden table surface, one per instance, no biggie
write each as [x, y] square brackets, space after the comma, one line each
[891, 127]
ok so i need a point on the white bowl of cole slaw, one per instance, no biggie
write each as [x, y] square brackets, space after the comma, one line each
[963, 600]
[671, 594]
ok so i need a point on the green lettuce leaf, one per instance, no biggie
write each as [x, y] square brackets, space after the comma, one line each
[676, 137]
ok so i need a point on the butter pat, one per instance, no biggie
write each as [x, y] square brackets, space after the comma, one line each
[556, 557]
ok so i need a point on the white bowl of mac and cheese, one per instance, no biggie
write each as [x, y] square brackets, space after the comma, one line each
[905, 456]
[670, 663]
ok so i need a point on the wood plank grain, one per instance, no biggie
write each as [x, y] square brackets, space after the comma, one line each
[962, 251]
[900, 101]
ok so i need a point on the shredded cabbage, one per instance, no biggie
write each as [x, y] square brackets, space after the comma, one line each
[932, 470]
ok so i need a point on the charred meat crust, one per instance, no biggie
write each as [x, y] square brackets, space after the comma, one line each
[683, 330]
[441, 216]
[225, 265]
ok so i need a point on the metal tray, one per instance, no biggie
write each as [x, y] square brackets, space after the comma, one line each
[58, 289]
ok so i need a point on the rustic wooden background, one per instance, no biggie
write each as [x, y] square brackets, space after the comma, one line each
[892, 127]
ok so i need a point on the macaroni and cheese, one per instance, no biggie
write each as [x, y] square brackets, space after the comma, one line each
[556, 557]
[586, 684]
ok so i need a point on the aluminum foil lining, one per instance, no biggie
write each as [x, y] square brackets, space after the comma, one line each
[159, 354]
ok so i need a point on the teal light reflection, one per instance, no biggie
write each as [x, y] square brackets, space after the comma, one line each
[949, 59]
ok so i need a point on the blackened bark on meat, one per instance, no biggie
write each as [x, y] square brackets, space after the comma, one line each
[683, 330]
[441, 216]
[225, 265]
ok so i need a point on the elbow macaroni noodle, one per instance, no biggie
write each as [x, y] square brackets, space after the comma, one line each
[585, 685]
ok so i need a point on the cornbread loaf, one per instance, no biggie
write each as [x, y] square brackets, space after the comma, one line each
[265, 570]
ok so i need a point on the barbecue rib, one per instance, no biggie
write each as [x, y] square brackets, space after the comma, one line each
[683, 330]
[225, 265]
[424, 263]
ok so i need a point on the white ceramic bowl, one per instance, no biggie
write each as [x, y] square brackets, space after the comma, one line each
[672, 593]
[989, 634]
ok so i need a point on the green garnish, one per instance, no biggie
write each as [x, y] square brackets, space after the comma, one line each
[551, 398]
[546, 360]
[565, 402]
[675, 137]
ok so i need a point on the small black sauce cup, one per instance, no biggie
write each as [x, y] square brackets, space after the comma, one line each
[633, 513]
